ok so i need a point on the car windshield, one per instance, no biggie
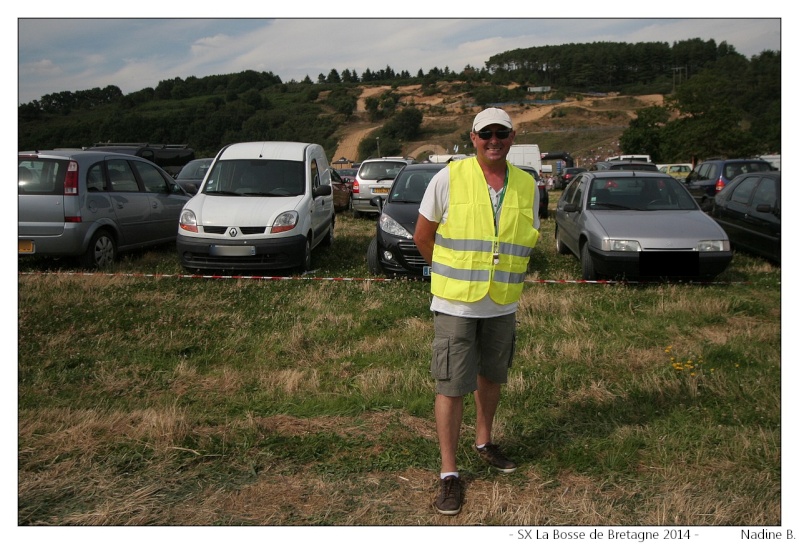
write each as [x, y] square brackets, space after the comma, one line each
[638, 193]
[380, 170]
[257, 177]
[410, 186]
[195, 169]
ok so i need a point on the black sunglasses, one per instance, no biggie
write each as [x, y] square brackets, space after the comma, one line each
[501, 134]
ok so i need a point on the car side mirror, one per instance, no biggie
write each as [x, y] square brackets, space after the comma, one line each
[569, 208]
[378, 202]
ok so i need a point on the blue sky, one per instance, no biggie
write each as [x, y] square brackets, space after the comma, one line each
[75, 54]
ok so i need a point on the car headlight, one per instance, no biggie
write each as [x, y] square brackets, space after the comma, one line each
[285, 221]
[713, 245]
[188, 221]
[612, 244]
[390, 226]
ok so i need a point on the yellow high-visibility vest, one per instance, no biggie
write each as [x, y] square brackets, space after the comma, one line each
[472, 256]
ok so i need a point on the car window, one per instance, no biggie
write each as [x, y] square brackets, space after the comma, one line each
[639, 193]
[95, 178]
[766, 193]
[380, 170]
[568, 196]
[42, 176]
[153, 181]
[743, 191]
[121, 176]
[410, 187]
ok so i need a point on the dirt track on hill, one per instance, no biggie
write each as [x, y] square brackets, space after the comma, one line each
[454, 108]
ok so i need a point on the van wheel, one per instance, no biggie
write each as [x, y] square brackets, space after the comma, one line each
[101, 251]
[327, 241]
[305, 266]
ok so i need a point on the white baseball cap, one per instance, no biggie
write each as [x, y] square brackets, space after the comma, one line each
[491, 116]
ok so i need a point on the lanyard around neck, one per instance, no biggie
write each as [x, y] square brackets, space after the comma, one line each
[498, 207]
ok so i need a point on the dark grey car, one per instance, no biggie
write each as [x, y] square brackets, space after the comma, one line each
[93, 205]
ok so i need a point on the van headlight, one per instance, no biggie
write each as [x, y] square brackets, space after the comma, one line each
[285, 221]
[390, 226]
[188, 221]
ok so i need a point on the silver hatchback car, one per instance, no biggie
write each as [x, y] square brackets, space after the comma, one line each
[94, 205]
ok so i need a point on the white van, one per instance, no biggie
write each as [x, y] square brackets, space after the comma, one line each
[261, 206]
[525, 155]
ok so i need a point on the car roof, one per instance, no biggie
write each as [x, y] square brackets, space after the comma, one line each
[425, 166]
[77, 154]
[627, 174]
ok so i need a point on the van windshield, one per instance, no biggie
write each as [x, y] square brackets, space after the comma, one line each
[256, 177]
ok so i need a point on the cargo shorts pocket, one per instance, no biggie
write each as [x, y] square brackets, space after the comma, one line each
[439, 366]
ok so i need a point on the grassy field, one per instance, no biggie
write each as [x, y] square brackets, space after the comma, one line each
[148, 398]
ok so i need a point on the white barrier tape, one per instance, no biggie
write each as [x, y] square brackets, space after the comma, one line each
[356, 279]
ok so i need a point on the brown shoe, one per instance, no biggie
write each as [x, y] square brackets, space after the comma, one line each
[491, 454]
[450, 497]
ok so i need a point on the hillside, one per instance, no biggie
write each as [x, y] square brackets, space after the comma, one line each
[587, 128]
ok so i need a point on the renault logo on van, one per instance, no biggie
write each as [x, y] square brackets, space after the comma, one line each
[233, 233]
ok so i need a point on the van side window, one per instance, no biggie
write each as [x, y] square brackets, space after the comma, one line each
[315, 175]
[121, 176]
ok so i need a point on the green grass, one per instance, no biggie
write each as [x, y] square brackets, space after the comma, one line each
[148, 398]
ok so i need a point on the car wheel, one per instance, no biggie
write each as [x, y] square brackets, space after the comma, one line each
[587, 263]
[559, 245]
[101, 251]
[372, 260]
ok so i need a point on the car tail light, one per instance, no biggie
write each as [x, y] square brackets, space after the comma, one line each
[71, 188]
[355, 187]
[719, 184]
[71, 179]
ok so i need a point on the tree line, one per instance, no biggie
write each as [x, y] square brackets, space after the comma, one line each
[719, 102]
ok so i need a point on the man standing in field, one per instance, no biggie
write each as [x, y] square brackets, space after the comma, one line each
[478, 223]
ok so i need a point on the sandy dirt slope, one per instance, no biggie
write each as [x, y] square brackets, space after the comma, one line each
[453, 108]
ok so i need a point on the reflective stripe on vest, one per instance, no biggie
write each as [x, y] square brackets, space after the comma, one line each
[463, 256]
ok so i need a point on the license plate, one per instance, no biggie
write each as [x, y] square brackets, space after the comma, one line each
[380, 190]
[426, 271]
[232, 251]
[26, 246]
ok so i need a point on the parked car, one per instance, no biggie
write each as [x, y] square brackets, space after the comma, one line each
[749, 209]
[624, 165]
[348, 174]
[374, 178]
[94, 205]
[263, 206]
[342, 192]
[191, 176]
[392, 250]
[677, 171]
[566, 175]
[638, 225]
[170, 157]
[710, 177]
[543, 193]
